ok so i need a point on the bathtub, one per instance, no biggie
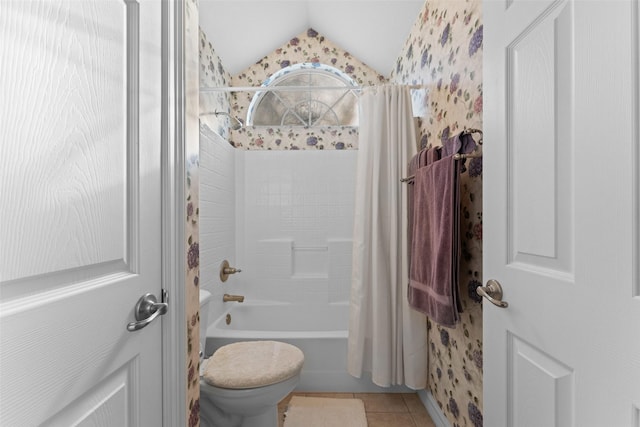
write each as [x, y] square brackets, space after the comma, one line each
[319, 330]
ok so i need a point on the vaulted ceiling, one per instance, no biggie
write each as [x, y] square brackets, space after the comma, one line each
[243, 31]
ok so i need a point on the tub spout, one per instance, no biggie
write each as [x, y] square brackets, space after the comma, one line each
[232, 298]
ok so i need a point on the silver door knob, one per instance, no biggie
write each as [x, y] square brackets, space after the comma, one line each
[493, 292]
[146, 311]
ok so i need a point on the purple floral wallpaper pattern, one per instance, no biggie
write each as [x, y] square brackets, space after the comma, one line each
[191, 205]
[212, 75]
[309, 46]
[297, 138]
[192, 282]
[444, 54]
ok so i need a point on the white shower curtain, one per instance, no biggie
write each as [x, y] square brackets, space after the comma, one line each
[386, 337]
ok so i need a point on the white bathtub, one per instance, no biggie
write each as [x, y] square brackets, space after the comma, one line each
[319, 330]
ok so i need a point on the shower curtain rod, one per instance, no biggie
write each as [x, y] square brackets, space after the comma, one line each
[287, 88]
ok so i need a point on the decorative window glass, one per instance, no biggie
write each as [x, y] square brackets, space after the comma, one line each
[286, 105]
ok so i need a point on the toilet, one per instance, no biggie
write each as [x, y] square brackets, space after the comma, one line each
[242, 383]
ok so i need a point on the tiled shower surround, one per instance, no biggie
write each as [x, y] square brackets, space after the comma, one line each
[287, 242]
[218, 192]
[296, 224]
[284, 218]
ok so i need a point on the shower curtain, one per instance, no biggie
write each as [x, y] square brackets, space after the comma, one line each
[386, 337]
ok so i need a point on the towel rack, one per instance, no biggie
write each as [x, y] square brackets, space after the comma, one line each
[458, 156]
[473, 130]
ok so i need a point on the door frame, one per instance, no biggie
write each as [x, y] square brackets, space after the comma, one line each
[174, 328]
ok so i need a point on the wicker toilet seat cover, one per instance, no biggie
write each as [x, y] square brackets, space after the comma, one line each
[253, 364]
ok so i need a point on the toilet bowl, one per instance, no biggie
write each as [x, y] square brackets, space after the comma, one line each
[242, 383]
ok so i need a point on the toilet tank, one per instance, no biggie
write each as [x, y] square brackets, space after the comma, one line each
[205, 299]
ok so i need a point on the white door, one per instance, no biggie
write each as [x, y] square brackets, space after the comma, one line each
[561, 214]
[80, 237]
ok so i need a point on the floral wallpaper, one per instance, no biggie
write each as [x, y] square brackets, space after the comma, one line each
[192, 233]
[213, 74]
[444, 53]
[297, 138]
[192, 283]
[309, 46]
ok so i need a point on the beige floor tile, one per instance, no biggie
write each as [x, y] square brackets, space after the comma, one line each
[423, 419]
[382, 402]
[386, 419]
[413, 402]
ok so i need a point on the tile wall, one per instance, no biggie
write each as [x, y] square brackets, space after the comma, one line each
[217, 214]
[295, 222]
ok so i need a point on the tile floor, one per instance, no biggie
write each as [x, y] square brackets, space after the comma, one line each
[383, 409]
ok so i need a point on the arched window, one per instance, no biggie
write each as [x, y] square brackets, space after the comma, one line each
[284, 105]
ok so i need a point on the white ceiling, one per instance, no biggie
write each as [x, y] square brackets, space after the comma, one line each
[244, 31]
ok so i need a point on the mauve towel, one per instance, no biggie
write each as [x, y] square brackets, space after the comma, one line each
[435, 250]
[416, 162]
[461, 143]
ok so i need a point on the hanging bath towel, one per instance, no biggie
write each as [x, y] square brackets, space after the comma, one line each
[435, 248]
[416, 162]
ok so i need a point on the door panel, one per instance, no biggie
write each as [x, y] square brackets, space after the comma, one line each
[68, 89]
[540, 387]
[106, 401]
[539, 120]
[561, 212]
[80, 206]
